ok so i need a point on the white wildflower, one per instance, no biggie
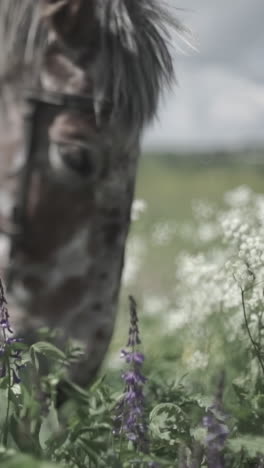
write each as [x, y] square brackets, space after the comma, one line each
[154, 305]
[239, 196]
[139, 207]
[211, 282]
[198, 360]
[164, 232]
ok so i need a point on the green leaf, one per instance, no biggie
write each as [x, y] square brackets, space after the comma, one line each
[20, 432]
[4, 383]
[74, 391]
[165, 406]
[253, 445]
[86, 447]
[18, 346]
[204, 401]
[12, 460]
[15, 396]
[199, 434]
[97, 383]
[81, 430]
[49, 426]
[48, 350]
[166, 419]
[34, 358]
[158, 428]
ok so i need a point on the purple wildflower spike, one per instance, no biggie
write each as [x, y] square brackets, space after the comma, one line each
[217, 430]
[130, 418]
[6, 341]
[4, 315]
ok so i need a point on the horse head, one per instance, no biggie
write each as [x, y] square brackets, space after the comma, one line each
[101, 66]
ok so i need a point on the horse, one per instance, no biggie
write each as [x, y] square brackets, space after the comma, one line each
[80, 80]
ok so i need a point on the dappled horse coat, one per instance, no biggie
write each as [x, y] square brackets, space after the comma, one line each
[65, 269]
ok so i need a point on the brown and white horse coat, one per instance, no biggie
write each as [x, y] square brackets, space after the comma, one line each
[67, 268]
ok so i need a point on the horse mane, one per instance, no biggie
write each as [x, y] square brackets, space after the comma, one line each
[134, 61]
[23, 37]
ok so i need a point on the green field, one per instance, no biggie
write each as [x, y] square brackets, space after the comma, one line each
[170, 187]
[190, 389]
[169, 190]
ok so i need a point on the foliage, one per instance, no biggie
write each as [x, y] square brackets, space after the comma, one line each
[205, 418]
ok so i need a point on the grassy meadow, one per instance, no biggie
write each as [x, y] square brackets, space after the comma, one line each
[170, 187]
[188, 391]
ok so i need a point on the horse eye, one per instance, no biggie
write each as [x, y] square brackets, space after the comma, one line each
[75, 158]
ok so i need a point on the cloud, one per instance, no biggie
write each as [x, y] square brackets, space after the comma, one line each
[220, 100]
[220, 109]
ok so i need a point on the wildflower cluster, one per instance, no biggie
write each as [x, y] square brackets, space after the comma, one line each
[10, 354]
[243, 231]
[233, 263]
[139, 207]
[130, 419]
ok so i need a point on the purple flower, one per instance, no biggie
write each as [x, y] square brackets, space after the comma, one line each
[133, 356]
[129, 419]
[217, 430]
[7, 351]
[4, 315]
[131, 377]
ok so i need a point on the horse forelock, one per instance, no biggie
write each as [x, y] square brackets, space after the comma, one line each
[127, 44]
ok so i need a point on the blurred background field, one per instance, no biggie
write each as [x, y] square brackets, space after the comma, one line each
[170, 185]
[207, 143]
[169, 190]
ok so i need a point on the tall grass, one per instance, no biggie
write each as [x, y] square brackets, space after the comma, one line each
[188, 391]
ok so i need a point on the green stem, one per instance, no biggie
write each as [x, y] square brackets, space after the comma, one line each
[249, 332]
[5, 435]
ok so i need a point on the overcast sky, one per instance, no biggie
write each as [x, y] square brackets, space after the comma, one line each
[220, 97]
